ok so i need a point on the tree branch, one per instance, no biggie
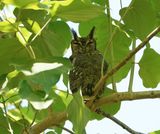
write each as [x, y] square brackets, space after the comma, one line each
[120, 123]
[124, 61]
[49, 121]
[125, 96]
[54, 119]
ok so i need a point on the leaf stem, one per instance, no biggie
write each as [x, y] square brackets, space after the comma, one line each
[5, 112]
[132, 68]
[111, 45]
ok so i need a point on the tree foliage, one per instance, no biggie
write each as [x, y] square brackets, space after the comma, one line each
[34, 37]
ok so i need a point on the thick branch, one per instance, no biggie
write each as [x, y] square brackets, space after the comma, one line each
[58, 118]
[50, 121]
[124, 61]
[125, 96]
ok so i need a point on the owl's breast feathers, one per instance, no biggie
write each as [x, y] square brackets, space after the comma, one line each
[86, 71]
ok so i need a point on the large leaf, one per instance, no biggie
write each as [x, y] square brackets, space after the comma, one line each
[112, 109]
[41, 82]
[29, 14]
[10, 49]
[38, 84]
[3, 123]
[120, 43]
[76, 10]
[149, 68]
[138, 16]
[78, 113]
[53, 41]
[27, 92]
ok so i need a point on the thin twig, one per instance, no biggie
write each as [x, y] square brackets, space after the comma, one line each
[34, 118]
[132, 68]
[9, 98]
[111, 46]
[5, 112]
[64, 128]
[121, 4]
[117, 121]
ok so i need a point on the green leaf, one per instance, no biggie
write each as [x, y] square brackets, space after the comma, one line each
[10, 49]
[78, 113]
[29, 14]
[149, 68]
[3, 123]
[155, 132]
[18, 126]
[76, 10]
[155, 5]
[42, 82]
[120, 43]
[5, 26]
[54, 101]
[100, 2]
[12, 96]
[27, 92]
[66, 97]
[2, 79]
[54, 40]
[143, 11]
[112, 109]
[19, 3]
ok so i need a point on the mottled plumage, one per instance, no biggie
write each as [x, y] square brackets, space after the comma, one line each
[87, 62]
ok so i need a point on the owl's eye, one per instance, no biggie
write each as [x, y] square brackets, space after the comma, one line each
[76, 42]
[89, 42]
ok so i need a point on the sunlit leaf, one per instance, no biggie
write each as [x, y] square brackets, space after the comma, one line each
[2, 79]
[39, 16]
[76, 10]
[19, 3]
[6, 26]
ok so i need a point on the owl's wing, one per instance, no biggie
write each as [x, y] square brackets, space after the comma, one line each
[75, 80]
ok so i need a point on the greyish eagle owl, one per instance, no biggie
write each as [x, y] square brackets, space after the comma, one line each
[87, 64]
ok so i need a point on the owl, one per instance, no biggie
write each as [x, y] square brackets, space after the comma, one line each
[87, 64]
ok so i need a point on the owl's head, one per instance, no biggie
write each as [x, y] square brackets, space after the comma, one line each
[82, 45]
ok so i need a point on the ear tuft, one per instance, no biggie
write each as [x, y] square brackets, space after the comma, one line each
[74, 34]
[91, 34]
